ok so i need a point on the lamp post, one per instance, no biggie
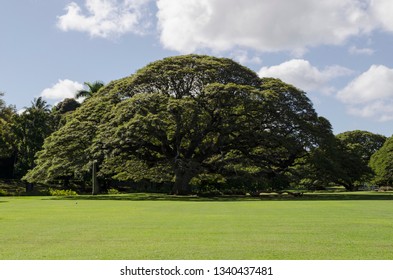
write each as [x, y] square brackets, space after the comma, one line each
[95, 185]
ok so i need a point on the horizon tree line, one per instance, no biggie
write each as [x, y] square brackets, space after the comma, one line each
[189, 122]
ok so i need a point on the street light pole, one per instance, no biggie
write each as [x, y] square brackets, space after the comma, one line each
[95, 185]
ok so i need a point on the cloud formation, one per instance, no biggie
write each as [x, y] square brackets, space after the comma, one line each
[305, 76]
[263, 25]
[61, 90]
[381, 11]
[370, 95]
[360, 51]
[105, 18]
[227, 25]
[267, 26]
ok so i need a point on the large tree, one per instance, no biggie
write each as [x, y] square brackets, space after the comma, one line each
[181, 117]
[356, 149]
[342, 160]
[31, 128]
[192, 115]
[382, 163]
[363, 143]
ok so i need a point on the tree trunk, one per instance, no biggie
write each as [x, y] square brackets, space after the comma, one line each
[351, 188]
[66, 183]
[182, 180]
[29, 187]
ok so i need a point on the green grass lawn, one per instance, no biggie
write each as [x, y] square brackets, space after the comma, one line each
[359, 226]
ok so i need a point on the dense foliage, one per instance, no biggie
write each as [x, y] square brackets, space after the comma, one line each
[182, 119]
[382, 164]
[188, 121]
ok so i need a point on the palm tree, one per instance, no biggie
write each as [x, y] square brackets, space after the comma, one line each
[92, 89]
[39, 104]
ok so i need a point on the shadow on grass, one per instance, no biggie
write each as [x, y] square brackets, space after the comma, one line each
[263, 197]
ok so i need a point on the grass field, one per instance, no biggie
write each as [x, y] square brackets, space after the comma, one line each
[324, 226]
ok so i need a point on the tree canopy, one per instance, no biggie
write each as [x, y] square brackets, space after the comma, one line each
[363, 143]
[30, 129]
[62, 110]
[382, 163]
[182, 117]
[342, 160]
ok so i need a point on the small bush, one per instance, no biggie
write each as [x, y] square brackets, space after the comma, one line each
[54, 192]
[210, 193]
[113, 191]
[234, 191]
[3, 193]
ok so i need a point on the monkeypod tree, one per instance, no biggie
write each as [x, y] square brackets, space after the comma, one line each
[182, 117]
[193, 115]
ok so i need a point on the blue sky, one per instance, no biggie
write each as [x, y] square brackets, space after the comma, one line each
[338, 51]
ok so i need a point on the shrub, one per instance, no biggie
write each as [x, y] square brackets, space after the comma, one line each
[234, 191]
[113, 191]
[208, 191]
[3, 193]
[54, 192]
[211, 193]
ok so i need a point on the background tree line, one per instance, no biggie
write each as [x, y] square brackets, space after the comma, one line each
[185, 124]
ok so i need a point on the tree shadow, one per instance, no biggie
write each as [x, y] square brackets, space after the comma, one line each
[224, 198]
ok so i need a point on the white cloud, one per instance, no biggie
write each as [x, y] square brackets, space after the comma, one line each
[360, 51]
[243, 57]
[305, 76]
[370, 94]
[263, 25]
[21, 111]
[382, 13]
[61, 90]
[379, 110]
[227, 25]
[105, 18]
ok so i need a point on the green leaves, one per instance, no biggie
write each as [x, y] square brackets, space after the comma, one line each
[31, 128]
[183, 116]
[382, 163]
[67, 152]
[362, 143]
